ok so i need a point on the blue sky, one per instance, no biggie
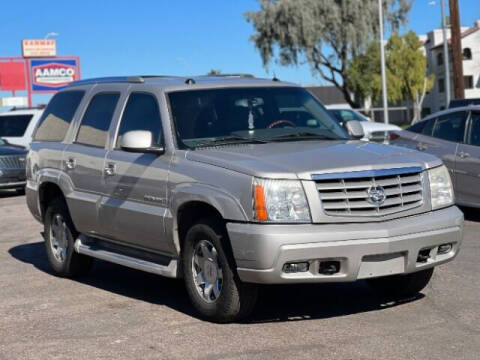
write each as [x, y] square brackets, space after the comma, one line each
[165, 36]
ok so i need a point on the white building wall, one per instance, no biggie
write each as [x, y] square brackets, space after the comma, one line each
[435, 99]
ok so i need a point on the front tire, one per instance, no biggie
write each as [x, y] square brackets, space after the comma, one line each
[211, 281]
[60, 235]
[402, 285]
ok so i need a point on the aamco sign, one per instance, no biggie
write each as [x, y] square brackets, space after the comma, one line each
[53, 74]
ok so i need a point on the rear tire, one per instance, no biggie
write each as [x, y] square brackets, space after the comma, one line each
[402, 285]
[211, 281]
[60, 235]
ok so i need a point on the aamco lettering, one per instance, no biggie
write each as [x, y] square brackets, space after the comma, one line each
[54, 74]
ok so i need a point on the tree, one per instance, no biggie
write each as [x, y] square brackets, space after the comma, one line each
[214, 72]
[406, 72]
[324, 33]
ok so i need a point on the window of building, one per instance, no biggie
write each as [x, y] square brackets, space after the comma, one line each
[141, 113]
[451, 127]
[58, 115]
[467, 54]
[439, 59]
[96, 121]
[441, 85]
[468, 82]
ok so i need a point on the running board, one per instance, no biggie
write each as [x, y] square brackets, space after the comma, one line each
[103, 254]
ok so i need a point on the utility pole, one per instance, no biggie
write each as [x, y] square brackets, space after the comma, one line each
[446, 56]
[457, 53]
[382, 56]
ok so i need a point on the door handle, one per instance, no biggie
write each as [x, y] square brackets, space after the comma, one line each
[463, 155]
[421, 147]
[109, 170]
[70, 163]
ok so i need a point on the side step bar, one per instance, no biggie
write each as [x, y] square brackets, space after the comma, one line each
[125, 260]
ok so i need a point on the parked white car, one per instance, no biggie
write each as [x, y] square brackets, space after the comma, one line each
[374, 131]
[17, 125]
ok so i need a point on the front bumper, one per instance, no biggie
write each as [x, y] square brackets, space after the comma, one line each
[12, 178]
[363, 249]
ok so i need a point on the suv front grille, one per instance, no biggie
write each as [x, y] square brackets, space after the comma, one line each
[352, 194]
[12, 162]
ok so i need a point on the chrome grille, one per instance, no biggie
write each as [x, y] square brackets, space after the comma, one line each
[12, 162]
[348, 194]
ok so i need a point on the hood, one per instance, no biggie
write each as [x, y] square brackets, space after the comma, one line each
[9, 149]
[292, 160]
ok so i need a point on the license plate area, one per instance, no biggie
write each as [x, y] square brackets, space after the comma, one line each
[382, 265]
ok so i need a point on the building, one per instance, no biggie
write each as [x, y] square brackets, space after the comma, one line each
[470, 37]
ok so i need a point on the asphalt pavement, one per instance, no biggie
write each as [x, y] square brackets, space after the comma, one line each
[120, 313]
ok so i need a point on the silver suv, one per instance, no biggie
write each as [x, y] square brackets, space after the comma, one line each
[229, 182]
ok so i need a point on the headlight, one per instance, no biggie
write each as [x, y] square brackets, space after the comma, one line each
[441, 189]
[280, 201]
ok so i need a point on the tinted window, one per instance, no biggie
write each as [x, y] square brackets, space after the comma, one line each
[451, 127]
[58, 115]
[141, 113]
[474, 137]
[96, 121]
[418, 127]
[14, 125]
[428, 128]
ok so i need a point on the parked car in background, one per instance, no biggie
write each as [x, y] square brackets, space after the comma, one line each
[12, 166]
[373, 131]
[454, 136]
[17, 125]
[463, 102]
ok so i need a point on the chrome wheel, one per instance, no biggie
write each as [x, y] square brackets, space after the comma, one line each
[207, 272]
[59, 237]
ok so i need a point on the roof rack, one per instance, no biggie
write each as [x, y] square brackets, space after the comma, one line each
[36, 107]
[232, 75]
[111, 79]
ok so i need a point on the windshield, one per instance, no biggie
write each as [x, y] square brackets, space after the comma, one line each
[344, 115]
[14, 125]
[223, 116]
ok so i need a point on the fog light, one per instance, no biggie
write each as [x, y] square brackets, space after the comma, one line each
[295, 267]
[444, 249]
[329, 267]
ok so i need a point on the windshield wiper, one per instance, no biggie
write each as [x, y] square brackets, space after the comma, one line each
[227, 140]
[303, 135]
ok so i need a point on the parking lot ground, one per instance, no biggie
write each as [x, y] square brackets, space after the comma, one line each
[120, 313]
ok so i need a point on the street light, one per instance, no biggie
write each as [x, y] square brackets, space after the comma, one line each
[446, 59]
[52, 34]
[382, 60]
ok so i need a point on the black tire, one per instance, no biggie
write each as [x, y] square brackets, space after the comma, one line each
[73, 264]
[236, 299]
[402, 285]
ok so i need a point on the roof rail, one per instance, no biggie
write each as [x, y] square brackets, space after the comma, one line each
[36, 107]
[232, 75]
[111, 79]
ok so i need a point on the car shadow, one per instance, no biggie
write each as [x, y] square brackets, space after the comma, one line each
[9, 193]
[275, 303]
[471, 214]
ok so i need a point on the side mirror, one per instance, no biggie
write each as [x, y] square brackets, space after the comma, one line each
[140, 141]
[355, 129]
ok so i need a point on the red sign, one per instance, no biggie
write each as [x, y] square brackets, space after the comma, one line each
[12, 76]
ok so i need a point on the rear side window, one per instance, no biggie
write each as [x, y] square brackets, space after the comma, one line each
[14, 125]
[93, 130]
[451, 127]
[428, 128]
[474, 136]
[141, 113]
[58, 115]
[418, 127]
